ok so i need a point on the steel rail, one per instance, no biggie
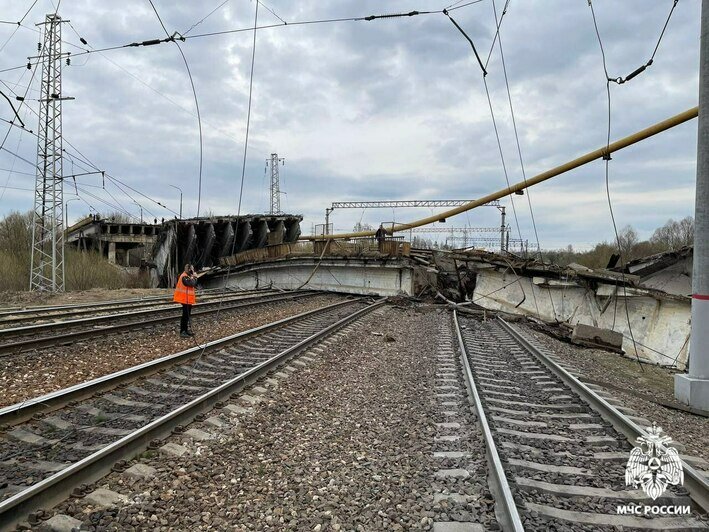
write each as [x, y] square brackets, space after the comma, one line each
[10, 331]
[55, 488]
[69, 337]
[115, 307]
[4, 311]
[694, 482]
[505, 508]
[22, 411]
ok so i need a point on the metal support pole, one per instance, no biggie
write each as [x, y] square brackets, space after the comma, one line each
[178, 188]
[502, 229]
[47, 260]
[328, 210]
[693, 388]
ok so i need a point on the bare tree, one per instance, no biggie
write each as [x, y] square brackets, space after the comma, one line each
[16, 234]
[627, 240]
[674, 235]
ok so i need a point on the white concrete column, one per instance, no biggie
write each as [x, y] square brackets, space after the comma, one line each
[693, 388]
[112, 252]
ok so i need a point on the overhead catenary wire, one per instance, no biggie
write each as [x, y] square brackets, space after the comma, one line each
[498, 23]
[11, 171]
[193, 26]
[519, 152]
[472, 44]
[606, 161]
[620, 80]
[19, 25]
[177, 36]
[196, 103]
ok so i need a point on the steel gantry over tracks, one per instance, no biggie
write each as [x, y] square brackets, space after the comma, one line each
[393, 204]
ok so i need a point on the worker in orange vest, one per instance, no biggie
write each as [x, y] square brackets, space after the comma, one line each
[184, 294]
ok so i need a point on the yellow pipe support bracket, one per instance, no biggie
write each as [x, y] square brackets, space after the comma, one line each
[580, 161]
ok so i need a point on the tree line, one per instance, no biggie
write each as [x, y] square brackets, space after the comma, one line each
[673, 235]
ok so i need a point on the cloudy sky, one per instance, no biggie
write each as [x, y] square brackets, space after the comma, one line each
[387, 109]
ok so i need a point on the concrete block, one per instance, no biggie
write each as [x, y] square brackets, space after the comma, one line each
[235, 410]
[250, 399]
[451, 425]
[447, 438]
[199, 435]
[450, 497]
[103, 498]
[214, 421]
[451, 454]
[173, 449]
[140, 471]
[692, 391]
[26, 436]
[60, 523]
[57, 423]
[596, 337]
[452, 473]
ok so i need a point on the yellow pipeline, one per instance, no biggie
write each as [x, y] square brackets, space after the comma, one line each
[592, 156]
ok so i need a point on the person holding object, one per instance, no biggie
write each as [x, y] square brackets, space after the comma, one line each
[185, 295]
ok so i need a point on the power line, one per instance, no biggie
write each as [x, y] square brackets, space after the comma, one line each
[196, 103]
[272, 12]
[497, 30]
[205, 17]
[642, 68]
[477, 56]
[19, 24]
[606, 161]
[177, 35]
[519, 151]
[12, 165]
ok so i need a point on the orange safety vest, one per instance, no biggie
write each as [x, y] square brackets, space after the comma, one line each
[184, 294]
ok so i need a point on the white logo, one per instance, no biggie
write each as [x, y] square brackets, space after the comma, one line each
[653, 465]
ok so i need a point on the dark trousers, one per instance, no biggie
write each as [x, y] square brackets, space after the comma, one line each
[185, 320]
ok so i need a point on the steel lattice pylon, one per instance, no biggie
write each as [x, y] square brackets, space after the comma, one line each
[275, 183]
[47, 267]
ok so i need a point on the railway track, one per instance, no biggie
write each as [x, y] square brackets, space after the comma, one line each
[53, 444]
[16, 317]
[21, 339]
[555, 445]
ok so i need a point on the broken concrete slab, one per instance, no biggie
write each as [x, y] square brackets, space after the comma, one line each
[591, 336]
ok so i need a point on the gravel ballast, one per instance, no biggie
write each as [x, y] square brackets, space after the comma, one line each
[29, 375]
[340, 439]
[621, 373]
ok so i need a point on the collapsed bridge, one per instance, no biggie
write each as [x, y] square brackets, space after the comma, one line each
[165, 247]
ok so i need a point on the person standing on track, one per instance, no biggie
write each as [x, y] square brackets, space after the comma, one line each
[184, 294]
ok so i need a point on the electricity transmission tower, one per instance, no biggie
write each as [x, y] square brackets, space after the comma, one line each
[275, 183]
[47, 266]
